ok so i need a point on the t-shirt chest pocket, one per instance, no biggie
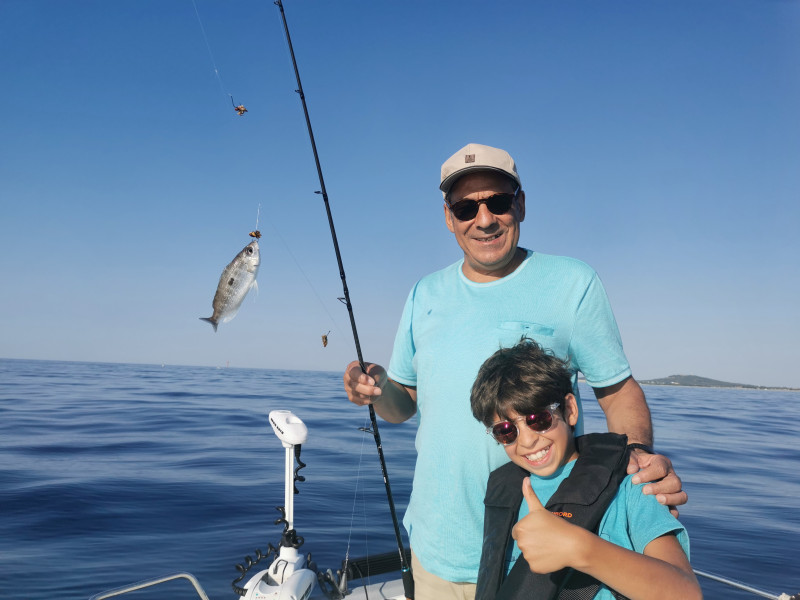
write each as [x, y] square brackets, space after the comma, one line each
[510, 332]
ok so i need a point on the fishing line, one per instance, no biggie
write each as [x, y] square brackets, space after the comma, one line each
[210, 53]
[213, 62]
[310, 284]
[355, 499]
[257, 234]
[408, 582]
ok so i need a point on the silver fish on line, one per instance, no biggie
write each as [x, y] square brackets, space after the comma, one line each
[234, 283]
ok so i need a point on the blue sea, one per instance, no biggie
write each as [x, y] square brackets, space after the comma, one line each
[115, 473]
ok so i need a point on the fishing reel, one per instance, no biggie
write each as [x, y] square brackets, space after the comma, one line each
[289, 575]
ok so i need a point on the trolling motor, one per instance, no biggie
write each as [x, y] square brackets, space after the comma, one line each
[288, 577]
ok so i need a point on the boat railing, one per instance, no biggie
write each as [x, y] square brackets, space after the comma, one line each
[746, 588]
[386, 563]
[150, 583]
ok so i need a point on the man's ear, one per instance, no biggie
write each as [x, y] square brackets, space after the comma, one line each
[521, 206]
[448, 218]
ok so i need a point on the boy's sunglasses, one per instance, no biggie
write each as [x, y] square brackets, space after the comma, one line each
[506, 432]
[466, 210]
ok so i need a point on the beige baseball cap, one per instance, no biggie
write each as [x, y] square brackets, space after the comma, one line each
[477, 157]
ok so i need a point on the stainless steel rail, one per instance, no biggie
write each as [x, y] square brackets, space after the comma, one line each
[150, 583]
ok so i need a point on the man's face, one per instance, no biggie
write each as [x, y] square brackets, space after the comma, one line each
[489, 241]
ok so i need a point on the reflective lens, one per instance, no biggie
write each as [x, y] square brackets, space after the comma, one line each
[506, 432]
[466, 210]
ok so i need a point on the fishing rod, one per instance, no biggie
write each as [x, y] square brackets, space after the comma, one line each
[408, 582]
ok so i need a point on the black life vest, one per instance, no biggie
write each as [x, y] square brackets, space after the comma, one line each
[585, 495]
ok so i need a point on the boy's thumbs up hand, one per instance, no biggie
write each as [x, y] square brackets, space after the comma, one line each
[530, 496]
[547, 542]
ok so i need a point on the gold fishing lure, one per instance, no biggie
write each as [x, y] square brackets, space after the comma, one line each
[325, 340]
[255, 234]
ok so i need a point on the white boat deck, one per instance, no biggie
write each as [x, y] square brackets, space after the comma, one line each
[387, 590]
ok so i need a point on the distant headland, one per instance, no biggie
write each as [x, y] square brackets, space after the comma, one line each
[695, 381]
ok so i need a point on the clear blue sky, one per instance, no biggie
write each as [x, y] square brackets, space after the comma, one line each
[657, 141]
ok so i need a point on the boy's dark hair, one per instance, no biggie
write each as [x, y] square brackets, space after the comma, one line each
[524, 378]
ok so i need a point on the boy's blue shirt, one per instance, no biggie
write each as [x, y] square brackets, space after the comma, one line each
[632, 520]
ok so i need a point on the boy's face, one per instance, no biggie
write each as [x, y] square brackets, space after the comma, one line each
[544, 453]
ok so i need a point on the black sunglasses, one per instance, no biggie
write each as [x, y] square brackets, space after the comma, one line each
[499, 204]
[506, 432]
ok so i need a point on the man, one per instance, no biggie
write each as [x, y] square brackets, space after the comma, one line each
[456, 318]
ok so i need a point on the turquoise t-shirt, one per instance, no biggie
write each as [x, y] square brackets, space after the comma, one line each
[450, 325]
[632, 520]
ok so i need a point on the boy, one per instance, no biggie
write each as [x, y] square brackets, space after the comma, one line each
[599, 536]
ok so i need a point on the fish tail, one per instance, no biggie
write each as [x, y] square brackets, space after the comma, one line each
[210, 320]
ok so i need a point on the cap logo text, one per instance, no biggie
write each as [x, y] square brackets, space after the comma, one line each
[469, 158]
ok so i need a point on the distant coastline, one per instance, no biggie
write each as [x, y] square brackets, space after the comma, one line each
[695, 381]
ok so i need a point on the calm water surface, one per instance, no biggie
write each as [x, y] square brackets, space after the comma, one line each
[113, 473]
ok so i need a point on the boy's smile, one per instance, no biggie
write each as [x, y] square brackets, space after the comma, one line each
[538, 458]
